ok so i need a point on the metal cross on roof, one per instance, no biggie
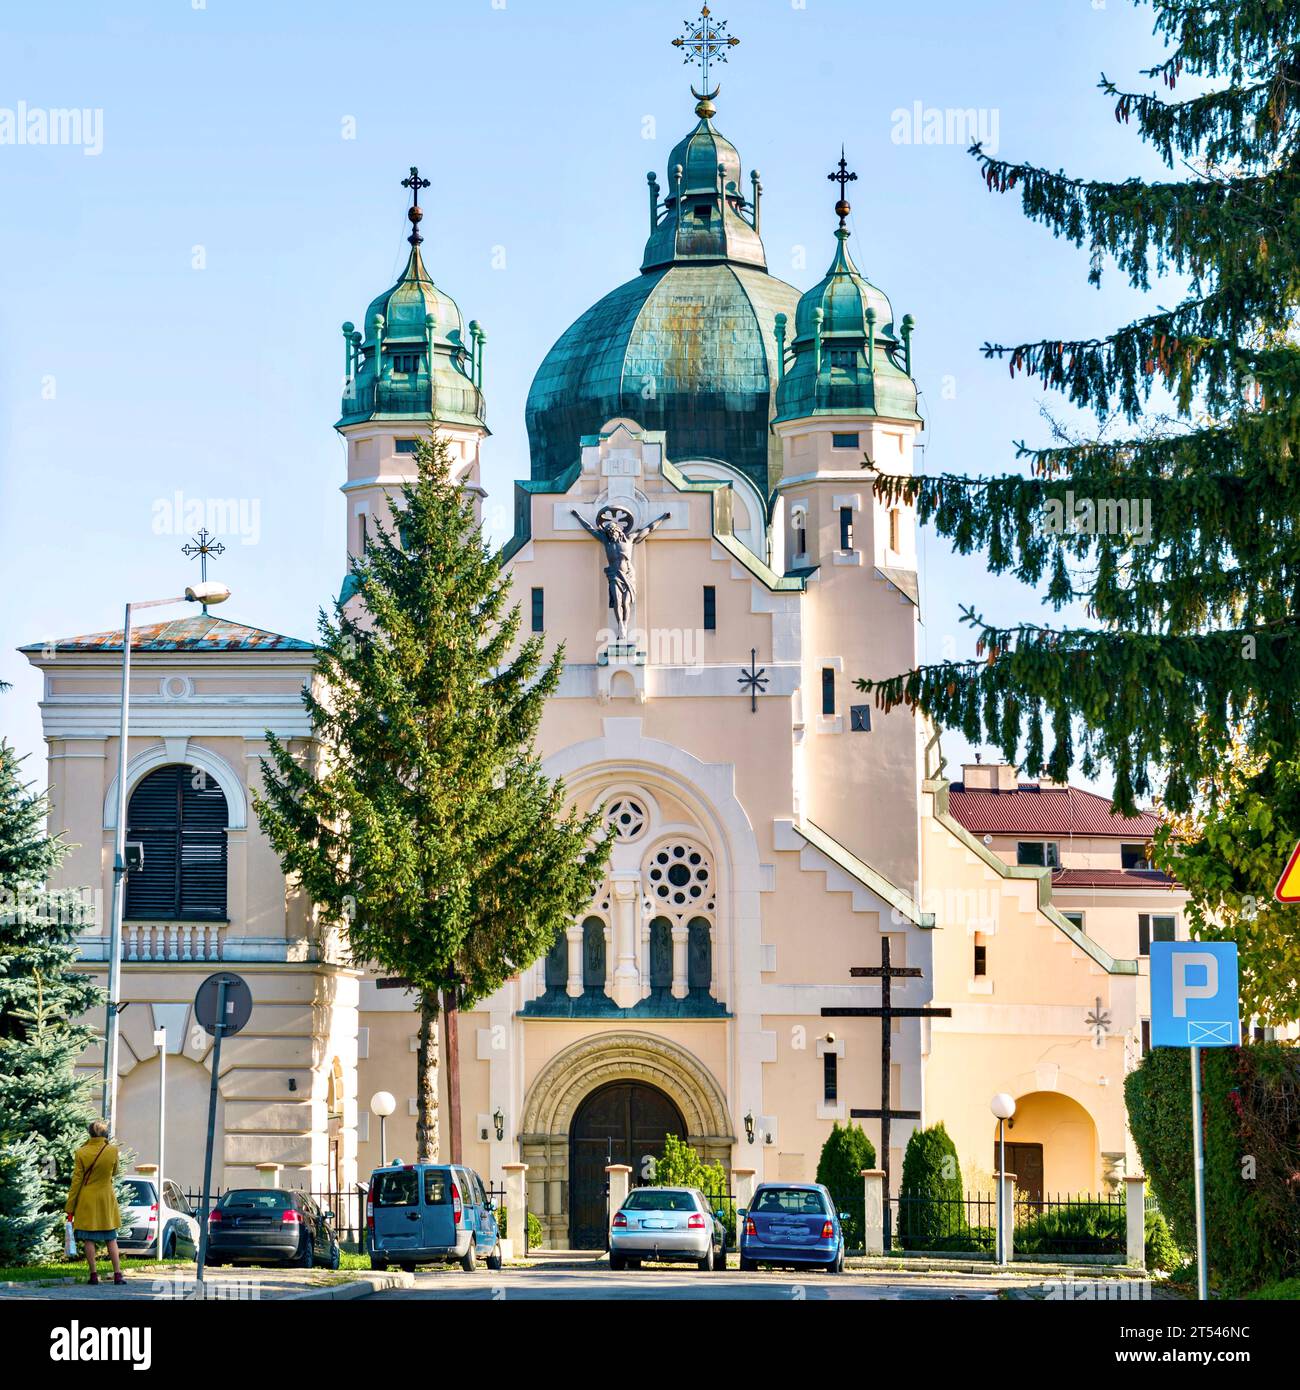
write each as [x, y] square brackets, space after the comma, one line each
[843, 177]
[414, 182]
[755, 680]
[201, 547]
[706, 40]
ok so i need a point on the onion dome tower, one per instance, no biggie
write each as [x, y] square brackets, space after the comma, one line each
[688, 346]
[846, 356]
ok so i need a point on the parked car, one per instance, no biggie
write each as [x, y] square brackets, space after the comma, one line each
[791, 1223]
[142, 1214]
[667, 1223]
[265, 1225]
[430, 1213]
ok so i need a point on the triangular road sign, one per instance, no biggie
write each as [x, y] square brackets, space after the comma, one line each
[1288, 886]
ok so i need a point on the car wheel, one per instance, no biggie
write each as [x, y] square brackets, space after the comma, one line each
[633, 1262]
[470, 1261]
[616, 1261]
[307, 1255]
[378, 1262]
[407, 1268]
[706, 1264]
[336, 1256]
[720, 1263]
[169, 1246]
[748, 1266]
[494, 1259]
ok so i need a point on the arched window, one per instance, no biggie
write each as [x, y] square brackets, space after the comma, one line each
[661, 953]
[699, 956]
[593, 955]
[557, 964]
[178, 816]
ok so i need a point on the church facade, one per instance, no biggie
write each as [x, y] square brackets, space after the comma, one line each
[698, 528]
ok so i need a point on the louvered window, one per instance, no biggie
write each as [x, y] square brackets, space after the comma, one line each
[178, 814]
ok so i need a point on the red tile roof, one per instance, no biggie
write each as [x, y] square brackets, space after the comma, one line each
[1111, 878]
[1032, 810]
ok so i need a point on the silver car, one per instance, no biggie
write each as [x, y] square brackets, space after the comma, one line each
[667, 1223]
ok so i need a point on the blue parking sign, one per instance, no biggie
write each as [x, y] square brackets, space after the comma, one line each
[1194, 994]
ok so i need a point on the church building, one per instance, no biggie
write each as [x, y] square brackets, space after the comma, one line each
[698, 528]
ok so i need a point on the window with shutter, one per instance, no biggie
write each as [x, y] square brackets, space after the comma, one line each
[179, 815]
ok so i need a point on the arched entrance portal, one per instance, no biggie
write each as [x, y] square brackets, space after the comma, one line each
[622, 1123]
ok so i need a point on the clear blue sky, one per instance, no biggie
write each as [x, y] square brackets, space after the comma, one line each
[127, 374]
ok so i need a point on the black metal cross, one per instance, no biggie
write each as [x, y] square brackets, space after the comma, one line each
[414, 182]
[886, 1013]
[202, 546]
[415, 213]
[843, 178]
[754, 680]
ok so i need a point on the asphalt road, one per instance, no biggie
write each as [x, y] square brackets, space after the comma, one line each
[598, 1282]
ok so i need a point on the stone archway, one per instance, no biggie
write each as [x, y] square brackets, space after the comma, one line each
[587, 1065]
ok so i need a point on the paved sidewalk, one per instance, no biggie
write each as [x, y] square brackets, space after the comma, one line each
[176, 1283]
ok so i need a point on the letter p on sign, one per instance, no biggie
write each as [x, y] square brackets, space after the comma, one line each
[1185, 962]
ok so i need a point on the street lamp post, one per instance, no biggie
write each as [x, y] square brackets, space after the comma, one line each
[205, 593]
[1004, 1107]
[160, 1042]
[382, 1104]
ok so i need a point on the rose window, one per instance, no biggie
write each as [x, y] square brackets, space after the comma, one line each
[680, 876]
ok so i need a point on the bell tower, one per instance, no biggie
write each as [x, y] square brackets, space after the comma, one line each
[412, 370]
[847, 403]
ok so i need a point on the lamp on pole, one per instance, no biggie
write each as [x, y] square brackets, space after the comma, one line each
[204, 593]
[383, 1103]
[1004, 1107]
[160, 1042]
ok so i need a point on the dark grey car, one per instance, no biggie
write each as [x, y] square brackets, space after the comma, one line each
[271, 1225]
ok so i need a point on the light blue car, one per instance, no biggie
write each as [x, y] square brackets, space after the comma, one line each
[792, 1223]
[430, 1213]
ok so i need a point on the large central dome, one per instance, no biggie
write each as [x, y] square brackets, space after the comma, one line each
[689, 346]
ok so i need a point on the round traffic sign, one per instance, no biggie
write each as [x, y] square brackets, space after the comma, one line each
[238, 1003]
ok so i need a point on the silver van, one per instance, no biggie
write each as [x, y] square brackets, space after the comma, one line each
[430, 1213]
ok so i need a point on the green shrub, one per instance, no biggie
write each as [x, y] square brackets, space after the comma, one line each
[932, 1209]
[1251, 1098]
[534, 1228]
[846, 1152]
[1162, 1251]
[1077, 1228]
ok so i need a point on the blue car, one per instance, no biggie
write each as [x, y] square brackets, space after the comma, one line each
[430, 1213]
[792, 1223]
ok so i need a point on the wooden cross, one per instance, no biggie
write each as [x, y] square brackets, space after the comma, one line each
[886, 1013]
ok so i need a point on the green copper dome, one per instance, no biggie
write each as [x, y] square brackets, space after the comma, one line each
[846, 356]
[687, 347]
[410, 359]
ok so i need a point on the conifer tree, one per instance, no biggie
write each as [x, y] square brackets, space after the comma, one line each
[1190, 660]
[1196, 639]
[44, 1105]
[425, 824]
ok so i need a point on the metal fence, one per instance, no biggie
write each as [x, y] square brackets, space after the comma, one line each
[1071, 1225]
[961, 1224]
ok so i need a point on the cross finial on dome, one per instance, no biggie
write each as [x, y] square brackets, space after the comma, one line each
[843, 177]
[705, 41]
[415, 212]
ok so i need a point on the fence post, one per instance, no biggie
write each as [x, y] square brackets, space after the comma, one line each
[873, 1227]
[516, 1183]
[1006, 1190]
[619, 1175]
[1135, 1208]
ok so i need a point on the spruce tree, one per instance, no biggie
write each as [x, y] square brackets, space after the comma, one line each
[44, 1105]
[1189, 658]
[846, 1152]
[424, 823]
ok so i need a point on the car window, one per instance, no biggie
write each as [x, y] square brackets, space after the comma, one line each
[139, 1192]
[659, 1199]
[258, 1198]
[437, 1190]
[792, 1201]
[176, 1198]
[395, 1187]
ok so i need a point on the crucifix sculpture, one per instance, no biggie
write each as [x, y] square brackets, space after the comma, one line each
[616, 530]
[843, 177]
[705, 41]
[886, 1013]
[199, 549]
[415, 212]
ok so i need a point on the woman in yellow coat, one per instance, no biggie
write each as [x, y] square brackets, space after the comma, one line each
[92, 1203]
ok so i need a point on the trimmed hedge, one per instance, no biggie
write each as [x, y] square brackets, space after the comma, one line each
[846, 1152]
[1251, 1098]
[932, 1180]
